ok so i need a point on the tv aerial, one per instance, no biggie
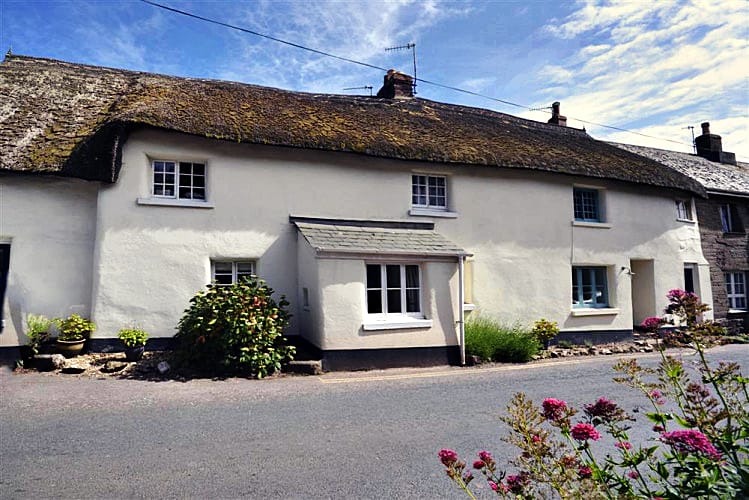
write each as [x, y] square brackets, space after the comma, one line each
[412, 48]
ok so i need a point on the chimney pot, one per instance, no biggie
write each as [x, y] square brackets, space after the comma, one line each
[710, 146]
[396, 84]
[705, 128]
[556, 118]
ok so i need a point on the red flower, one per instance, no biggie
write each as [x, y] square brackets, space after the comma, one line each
[447, 457]
[493, 485]
[623, 445]
[554, 409]
[605, 410]
[583, 432]
[633, 474]
[691, 441]
[479, 464]
[585, 471]
[486, 457]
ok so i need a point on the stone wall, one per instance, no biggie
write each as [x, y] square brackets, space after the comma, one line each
[725, 252]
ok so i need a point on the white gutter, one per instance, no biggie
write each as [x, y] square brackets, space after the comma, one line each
[461, 311]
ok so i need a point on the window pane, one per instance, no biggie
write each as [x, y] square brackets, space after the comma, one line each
[373, 276]
[184, 193]
[198, 194]
[412, 276]
[374, 302]
[185, 168]
[393, 276]
[198, 169]
[412, 301]
[394, 301]
[222, 273]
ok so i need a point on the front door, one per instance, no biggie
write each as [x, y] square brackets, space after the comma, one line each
[4, 266]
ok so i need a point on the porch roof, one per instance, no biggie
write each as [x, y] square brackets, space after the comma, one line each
[348, 237]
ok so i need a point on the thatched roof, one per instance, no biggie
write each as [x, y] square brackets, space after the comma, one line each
[72, 119]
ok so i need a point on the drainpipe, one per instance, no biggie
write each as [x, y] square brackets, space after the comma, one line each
[461, 311]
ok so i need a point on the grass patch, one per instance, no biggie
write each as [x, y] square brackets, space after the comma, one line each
[492, 341]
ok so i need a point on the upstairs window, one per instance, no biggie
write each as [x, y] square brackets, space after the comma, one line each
[736, 290]
[683, 210]
[429, 191]
[180, 180]
[587, 205]
[729, 219]
[224, 272]
[589, 289]
[394, 289]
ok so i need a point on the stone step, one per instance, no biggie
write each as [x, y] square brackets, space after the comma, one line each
[304, 367]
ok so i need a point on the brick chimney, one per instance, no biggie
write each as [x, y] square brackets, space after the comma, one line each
[710, 146]
[396, 85]
[556, 118]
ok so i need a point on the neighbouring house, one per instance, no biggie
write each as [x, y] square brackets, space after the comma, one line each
[722, 218]
[384, 220]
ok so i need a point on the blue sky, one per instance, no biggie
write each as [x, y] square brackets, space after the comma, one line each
[654, 67]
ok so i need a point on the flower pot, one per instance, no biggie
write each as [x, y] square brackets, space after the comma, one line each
[70, 348]
[27, 355]
[134, 353]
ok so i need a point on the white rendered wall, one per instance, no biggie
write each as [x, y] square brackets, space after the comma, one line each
[49, 223]
[150, 260]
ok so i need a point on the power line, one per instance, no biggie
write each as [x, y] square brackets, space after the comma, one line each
[372, 66]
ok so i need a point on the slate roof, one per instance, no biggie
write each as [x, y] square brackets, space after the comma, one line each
[336, 238]
[71, 119]
[714, 176]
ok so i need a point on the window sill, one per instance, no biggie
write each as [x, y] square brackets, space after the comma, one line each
[598, 225]
[403, 324]
[430, 212]
[469, 307]
[689, 221]
[737, 311]
[604, 311]
[169, 202]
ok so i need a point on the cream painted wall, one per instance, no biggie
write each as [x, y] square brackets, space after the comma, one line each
[49, 223]
[342, 289]
[149, 260]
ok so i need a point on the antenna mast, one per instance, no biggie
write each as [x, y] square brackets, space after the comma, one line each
[412, 47]
[694, 145]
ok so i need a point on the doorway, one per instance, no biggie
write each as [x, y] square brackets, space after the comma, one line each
[643, 289]
[4, 267]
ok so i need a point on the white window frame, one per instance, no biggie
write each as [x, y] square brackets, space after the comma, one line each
[177, 186]
[236, 274]
[736, 290]
[684, 210]
[429, 205]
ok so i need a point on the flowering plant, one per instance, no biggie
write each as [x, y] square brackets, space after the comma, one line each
[700, 450]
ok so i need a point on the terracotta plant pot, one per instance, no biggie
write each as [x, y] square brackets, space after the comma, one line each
[70, 348]
[134, 353]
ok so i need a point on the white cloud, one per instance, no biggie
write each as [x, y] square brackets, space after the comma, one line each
[643, 64]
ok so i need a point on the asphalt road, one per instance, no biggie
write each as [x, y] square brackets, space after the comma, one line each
[350, 435]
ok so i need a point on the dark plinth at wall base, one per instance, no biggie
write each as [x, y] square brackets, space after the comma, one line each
[594, 336]
[114, 345]
[9, 355]
[372, 359]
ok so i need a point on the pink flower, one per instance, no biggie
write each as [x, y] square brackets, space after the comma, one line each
[554, 409]
[585, 471]
[652, 323]
[605, 410]
[691, 441]
[479, 464]
[676, 294]
[486, 457]
[448, 457]
[493, 485]
[657, 397]
[633, 474]
[516, 483]
[658, 428]
[623, 445]
[583, 432]
[536, 438]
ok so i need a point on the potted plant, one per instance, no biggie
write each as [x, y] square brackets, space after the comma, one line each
[37, 331]
[74, 330]
[135, 342]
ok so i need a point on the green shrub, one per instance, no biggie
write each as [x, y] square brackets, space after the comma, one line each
[545, 330]
[74, 327]
[235, 329]
[133, 337]
[37, 330]
[490, 340]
